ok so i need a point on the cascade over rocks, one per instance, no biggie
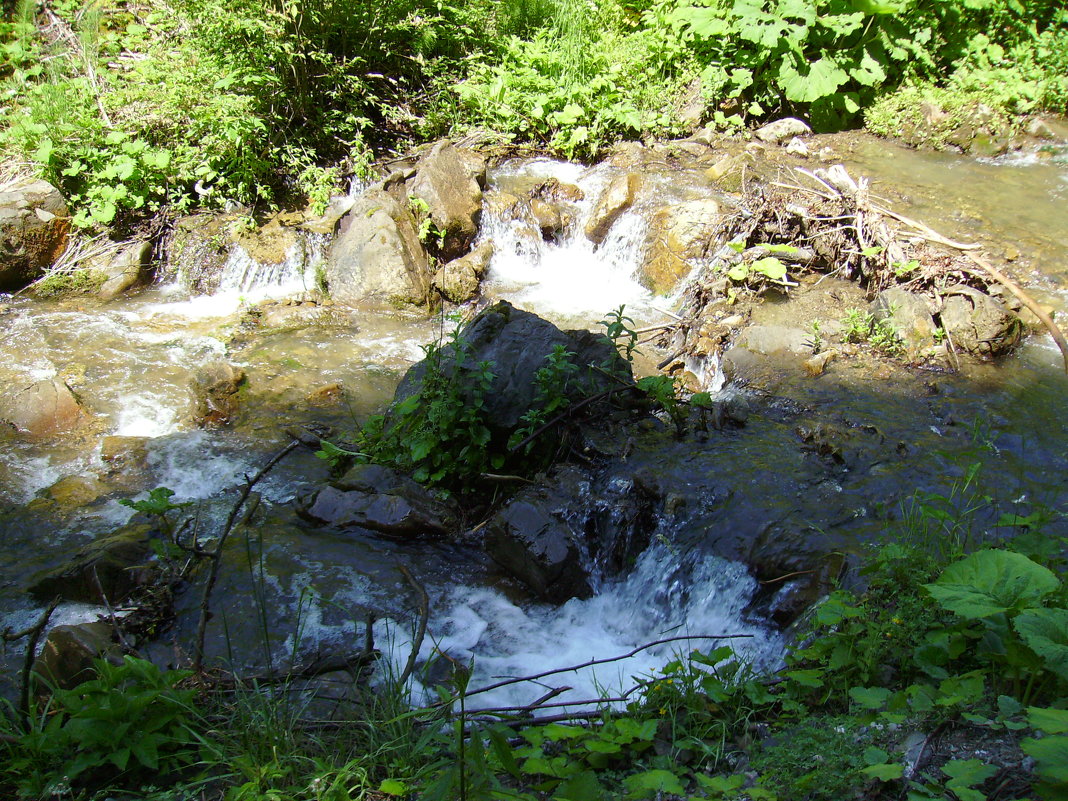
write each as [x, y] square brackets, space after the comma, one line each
[679, 236]
[33, 232]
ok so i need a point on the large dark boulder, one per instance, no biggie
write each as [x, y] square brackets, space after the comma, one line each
[517, 343]
[539, 548]
[66, 660]
[33, 232]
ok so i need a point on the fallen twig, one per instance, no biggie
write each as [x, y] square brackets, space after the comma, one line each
[216, 555]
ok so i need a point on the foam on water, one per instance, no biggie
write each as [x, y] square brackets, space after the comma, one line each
[194, 467]
[666, 595]
[572, 277]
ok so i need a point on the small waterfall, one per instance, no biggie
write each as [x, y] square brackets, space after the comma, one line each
[243, 274]
[568, 276]
[667, 595]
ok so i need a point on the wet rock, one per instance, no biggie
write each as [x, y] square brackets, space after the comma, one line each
[781, 130]
[73, 492]
[327, 222]
[679, 235]
[216, 399]
[450, 180]
[33, 231]
[908, 315]
[125, 461]
[66, 659]
[378, 255]
[378, 499]
[517, 343]
[271, 243]
[537, 547]
[551, 220]
[326, 395]
[768, 339]
[198, 249]
[978, 323]
[553, 190]
[459, 280]
[129, 266]
[43, 410]
[276, 317]
[116, 564]
[1040, 129]
[617, 197]
[818, 363]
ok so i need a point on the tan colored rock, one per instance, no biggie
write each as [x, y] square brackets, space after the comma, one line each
[378, 255]
[127, 267]
[617, 197]
[43, 410]
[216, 401]
[818, 363]
[270, 243]
[73, 492]
[66, 660]
[450, 180]
[781, 130]
[198, 249]
[34, 225]
[125, 461]
[459, 280]
[327, 395]
[679, 235]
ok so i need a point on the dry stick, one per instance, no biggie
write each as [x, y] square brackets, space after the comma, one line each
[111, 613]
[420, 632]
[1026, 300]
[216, 555]
[605, 661]
[569, 411]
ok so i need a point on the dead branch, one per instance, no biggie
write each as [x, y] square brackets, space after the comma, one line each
[216, 555]
[595, 662]
[34, 633]
[420, 632]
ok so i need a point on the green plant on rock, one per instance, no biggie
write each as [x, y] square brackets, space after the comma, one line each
[551, 394]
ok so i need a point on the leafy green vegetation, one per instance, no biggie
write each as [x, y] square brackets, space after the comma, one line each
[199, 103]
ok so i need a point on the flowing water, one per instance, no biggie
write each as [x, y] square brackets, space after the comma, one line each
[740, 491]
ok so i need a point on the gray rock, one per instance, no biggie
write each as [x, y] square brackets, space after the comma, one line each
[378, 255]
[33, 232]
[459, 280]
[781, 130]
[617, 197]
[539, 549]
[978, 323]
[450, 180]
[327, 222]
[118, 561]
[198, 249]
[378, 499]
[43, 410]
[215, 394]
[908, 315]
[125, 269]
[517, 343]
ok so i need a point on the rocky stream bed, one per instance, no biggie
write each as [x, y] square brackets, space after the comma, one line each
[852, 355]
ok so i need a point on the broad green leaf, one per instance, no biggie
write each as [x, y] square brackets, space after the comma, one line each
[1046, 633]
[808, 82]
[869, 72]
[1051, 754]
[393, 787]
[967, 772]
[870, 697]
[989, 582]
[884, 772]
[771, 268]
[653, 783]
[1051, 721]
[739, 272]
[580, 787]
